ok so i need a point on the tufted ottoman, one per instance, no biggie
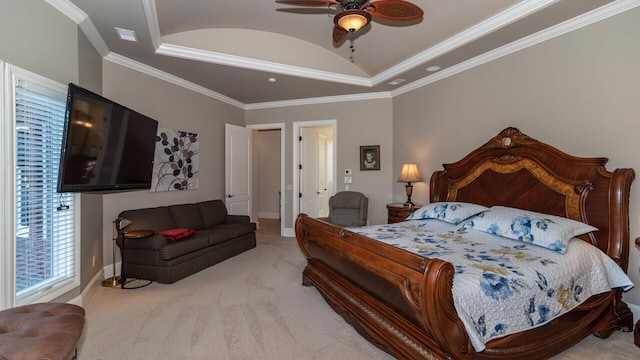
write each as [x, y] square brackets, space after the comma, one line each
[46, 331]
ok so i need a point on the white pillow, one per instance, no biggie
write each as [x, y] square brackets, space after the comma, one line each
[548, 231]
[451, 212]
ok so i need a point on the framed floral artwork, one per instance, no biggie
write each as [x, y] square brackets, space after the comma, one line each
[176, 161]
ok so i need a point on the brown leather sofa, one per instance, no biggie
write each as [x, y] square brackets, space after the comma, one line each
[218, 237]
[41, 331]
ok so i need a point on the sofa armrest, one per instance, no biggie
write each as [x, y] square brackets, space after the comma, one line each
[154, 242]
[238, 218]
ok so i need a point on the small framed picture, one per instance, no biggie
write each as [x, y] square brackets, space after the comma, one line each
[370, 157]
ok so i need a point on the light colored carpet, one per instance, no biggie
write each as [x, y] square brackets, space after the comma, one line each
[251, 306]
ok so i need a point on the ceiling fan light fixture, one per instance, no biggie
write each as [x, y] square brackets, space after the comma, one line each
[352, 20]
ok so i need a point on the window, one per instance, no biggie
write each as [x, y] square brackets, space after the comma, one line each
[44, 222]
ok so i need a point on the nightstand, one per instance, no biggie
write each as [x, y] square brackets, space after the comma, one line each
[398, 212]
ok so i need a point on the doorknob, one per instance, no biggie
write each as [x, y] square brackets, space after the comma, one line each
[229, 196]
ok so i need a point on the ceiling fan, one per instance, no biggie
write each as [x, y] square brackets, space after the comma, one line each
[355, 14]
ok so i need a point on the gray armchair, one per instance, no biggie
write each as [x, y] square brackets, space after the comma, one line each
[347, 208]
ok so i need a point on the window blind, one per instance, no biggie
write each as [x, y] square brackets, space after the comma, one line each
[45, 245]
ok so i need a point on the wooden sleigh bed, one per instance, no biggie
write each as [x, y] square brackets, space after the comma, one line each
[402, 302]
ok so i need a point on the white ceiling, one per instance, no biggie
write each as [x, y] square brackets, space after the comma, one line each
[230, 49]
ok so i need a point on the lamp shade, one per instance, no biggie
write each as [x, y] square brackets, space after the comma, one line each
[409, 173]
[352, 20]
[122, 223]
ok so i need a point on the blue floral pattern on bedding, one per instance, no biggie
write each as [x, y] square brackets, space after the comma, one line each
[451, 212]
[503, 286]
[551, 232]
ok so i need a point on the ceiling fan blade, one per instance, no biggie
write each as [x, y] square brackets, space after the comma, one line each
[308, 2]
[339, 34]
[396, 10]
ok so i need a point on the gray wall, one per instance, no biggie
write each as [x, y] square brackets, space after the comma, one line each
[90, 77]
[579, 92]
[175, 108]
[365, 122]
[38, 38]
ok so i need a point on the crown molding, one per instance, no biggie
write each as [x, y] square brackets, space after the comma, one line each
[83, 21]
[91, 32]
[68, 9]
[162, 48]
[260, 65]
[151, 15]
[506, 17]
[596, 15]
[151, 71]
[320, 100]
[512, 14]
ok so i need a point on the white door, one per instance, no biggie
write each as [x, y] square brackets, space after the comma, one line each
[323, 182]
[238, 169]
[309, 172]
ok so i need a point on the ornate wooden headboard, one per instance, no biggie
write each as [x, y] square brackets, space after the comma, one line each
[515, 170]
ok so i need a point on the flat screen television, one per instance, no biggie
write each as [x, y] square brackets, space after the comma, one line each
[105, 146]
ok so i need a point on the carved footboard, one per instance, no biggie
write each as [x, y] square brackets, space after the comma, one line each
[403, 302]
[399, 301]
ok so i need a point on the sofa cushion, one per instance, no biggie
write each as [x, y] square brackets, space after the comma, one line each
[218, 235]
[157, 219]
[178, 234]
[186, 216]
[154, 242]
[238, 229]
[178, 248]
[212, 212]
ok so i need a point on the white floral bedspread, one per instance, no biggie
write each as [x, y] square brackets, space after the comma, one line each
[503, 286]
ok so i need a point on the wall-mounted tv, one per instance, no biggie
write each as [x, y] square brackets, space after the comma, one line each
[105, 146]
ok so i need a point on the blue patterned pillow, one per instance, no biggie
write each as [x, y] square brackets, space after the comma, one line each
[451, 212]
[548, 231]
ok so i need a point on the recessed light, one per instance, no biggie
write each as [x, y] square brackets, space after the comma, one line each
[271, 80]
[126, 34]
[433, 68]
[397, 81]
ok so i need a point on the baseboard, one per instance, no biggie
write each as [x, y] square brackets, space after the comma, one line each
[288, 232]
[90, 290]
[87, 293]
[108, 270]
[76, 300]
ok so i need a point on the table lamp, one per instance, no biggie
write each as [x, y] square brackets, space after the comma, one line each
[409, 174]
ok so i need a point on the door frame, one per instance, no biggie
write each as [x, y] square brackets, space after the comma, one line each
[296, 156]
[281, 127]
